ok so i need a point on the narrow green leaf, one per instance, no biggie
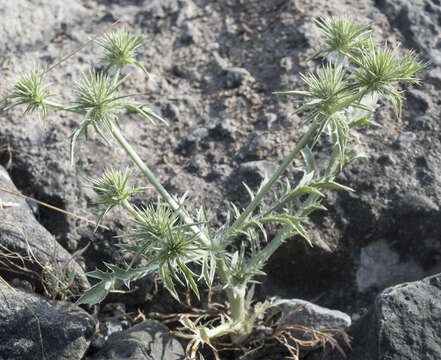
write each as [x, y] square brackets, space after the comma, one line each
[363, 122]
[333, 185]
[308, 156]
[140, 66]
[97, 293]
[189, 277]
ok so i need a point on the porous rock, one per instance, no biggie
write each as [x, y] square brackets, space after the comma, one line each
[303, 313]
[34, 328]
[33, 24]
[22, 234]
[403, 323]
[146, 341]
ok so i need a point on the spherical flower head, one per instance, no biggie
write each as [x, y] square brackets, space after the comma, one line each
[96, 94]
[31, 90]
[98, 99]
[161, 238]
[120, 49]
[112, 189]
[327, 90]
[342, 34]
[381, 68]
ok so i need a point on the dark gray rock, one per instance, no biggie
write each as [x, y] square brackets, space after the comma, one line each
[34, 328]
[254, 172]
[417, 22]
[189, 33]
[404, 323]
[48, 19]
[146, 341]
[380, 266]
[405, 140]
[419, 101]
[235, 77]
[434, 77]
[21, 233]
[307, 34]
[304, 313]
[222, 129]
[159, 9]
[257, 146]
[193, 142]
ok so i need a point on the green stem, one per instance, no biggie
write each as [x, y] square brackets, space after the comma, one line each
[64, 108]
[129, 208]
[237, 293]
[268, 185]
[157, 185]
[275, 243]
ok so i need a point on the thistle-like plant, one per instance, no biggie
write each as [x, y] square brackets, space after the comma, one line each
[120, 50]
[342, 35]
[113, 189]
[32, 91]
[183, 248]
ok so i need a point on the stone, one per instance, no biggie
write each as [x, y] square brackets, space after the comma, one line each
[405, 140]
[222, 129]
[21, 233]
[304, 313]
[307, 33]
[254, 172]
[235, 77]
[403, 323]
[256, 147]
[418, 101]
[32, 327]
[48, 18]
[434, 77]
[193, 141]
[149, 340]
[189, 33]
[380, 266]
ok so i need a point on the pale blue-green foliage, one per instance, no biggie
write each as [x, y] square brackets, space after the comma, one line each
[334, 100]
[97, 98]
[338, 98]
[32, 91]
[120, 49]
[381, 68]
[342, 35]
[112, 189]
[161, 238]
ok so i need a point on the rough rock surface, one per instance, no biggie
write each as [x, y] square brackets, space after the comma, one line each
[32, 327]
[404, 323]
[214, 66]
[149, 340]
[21, 234]
[299, 312]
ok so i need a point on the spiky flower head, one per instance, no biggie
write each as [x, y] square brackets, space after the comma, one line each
[161, 239]
[328, 90]
[120, 49]
[97, 98]
[342, 34]
[381, 68]
[96, 94]
[113, 189]
[31, 90]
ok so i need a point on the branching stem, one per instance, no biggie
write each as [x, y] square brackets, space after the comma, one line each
[270, 182]
[157, 185]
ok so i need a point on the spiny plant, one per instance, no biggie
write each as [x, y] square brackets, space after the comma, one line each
[184, 248]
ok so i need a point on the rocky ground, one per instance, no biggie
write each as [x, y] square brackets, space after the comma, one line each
[214, 66]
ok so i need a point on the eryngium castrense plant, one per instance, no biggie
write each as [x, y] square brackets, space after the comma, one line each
[340, 96]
